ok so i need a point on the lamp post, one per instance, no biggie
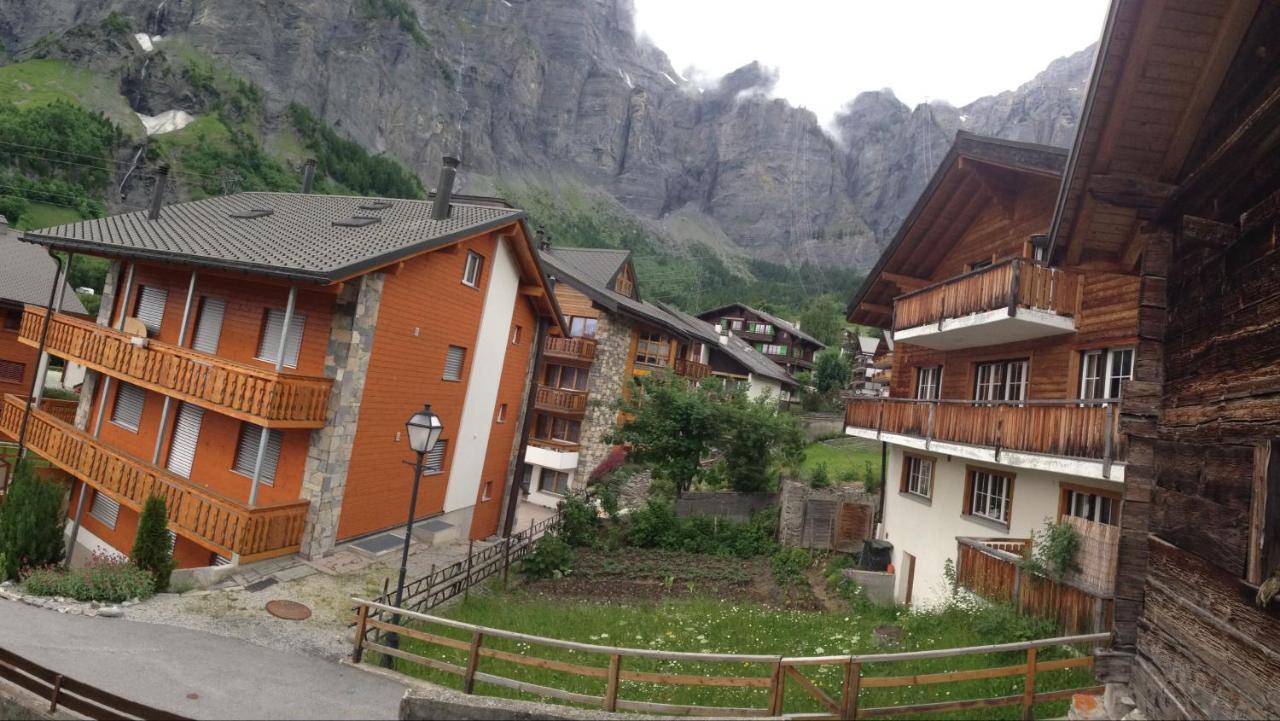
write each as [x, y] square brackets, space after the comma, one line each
[424, 429]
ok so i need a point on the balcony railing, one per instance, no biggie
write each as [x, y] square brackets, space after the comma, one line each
[582, 349]
[1012, 284]
[262, 396]
[552, 444]
[557, 400]
[1085, 429]
[218, 523]
[994, 569]
[692, 370]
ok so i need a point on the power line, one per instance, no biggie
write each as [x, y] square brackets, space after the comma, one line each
[61, 195]
[118, 163]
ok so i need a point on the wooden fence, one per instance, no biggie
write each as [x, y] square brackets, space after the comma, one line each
[781, 670]
[991, 568]
[69, 693]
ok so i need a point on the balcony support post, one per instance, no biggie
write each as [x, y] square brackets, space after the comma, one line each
[928, 436]
[1015, 288]
[106, 379]
[1107, 447]
[42, 369]
[37, 383]
[75, 524]
[266, 432]
[182, 340]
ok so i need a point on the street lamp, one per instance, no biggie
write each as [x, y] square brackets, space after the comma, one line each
[423, 429]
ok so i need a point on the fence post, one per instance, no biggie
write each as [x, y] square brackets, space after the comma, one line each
[611, 690]
[1017, 589]
[852, 687]
[466, 580]
[57, 691]
[473, 662]
[362, 619]
[777, 688]
[506, 560]
[1029, 687]
[1107, 449]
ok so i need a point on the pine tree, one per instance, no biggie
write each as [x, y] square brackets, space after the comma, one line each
[151, 546]
[32, 517]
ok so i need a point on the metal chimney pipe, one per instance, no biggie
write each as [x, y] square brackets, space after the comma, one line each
[444, 188]
[157, 193]
[308, 175]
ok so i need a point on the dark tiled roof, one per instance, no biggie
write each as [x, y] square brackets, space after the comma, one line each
[775, 320]
[26, 273]
[734, 347]
[597, 266]
[298, 239]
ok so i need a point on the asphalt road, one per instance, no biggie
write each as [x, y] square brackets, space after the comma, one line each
[193, 673]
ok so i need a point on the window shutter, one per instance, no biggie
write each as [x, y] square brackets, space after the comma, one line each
[186, 432]
[453, 362]
[209, 326]
[435, 459]
[270, 342]
[105, 509]
[11, 372]
[151, 307]
[128, 408]
[247, 453]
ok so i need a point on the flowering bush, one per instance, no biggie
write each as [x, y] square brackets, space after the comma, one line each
[107, 578]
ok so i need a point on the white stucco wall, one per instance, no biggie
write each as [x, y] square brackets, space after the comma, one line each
[761, 386]
[488, 354]
[928, 530]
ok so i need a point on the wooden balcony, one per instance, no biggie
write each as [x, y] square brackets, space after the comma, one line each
[220, 524]
[692, 369]
[992, 568]
[1075, 429]
[1007, 302]
[557, 400]
[258, 395]
[578, 349]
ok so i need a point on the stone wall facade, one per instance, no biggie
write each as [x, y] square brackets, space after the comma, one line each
[324, 478]
[795, 496]
[604, 390]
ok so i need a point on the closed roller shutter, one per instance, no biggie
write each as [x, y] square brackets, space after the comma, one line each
[247, 453]
[270, 342]
[434, 462]
[105, 509]
[151, 307]
[209, 325]
[186, 432]
[453, 363]
[128, 409]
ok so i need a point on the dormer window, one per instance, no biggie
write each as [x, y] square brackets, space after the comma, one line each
[253, 213]
[374, 205]
[357, 221]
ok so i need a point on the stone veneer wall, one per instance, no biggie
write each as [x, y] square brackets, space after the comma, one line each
[604, 389]
[324, 479]
[90, 386]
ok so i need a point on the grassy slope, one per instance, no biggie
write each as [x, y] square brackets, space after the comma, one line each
[39, 82]
[41, 215]
[843, 455]
[715, 625]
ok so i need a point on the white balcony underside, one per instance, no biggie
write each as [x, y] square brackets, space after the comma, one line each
[1081, 467]
[994, 327]
[547, 458]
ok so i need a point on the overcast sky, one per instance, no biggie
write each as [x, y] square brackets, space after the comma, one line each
[828, 51]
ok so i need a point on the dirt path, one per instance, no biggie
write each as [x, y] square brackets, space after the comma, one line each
[818, 582]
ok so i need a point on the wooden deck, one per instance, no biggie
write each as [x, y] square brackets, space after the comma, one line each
[220, 524]
[557, 400]
[258, 395]
[1072, 429]
[1012, 284]
[579, 349]
[691, 369]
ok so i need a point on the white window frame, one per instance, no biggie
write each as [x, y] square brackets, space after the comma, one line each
[928, 383]
[1094, 507]
[1103, 368]
[474, 269]
[551, 488]
[919, 481]
[991, 489]
[1003, 380]
[502, 413]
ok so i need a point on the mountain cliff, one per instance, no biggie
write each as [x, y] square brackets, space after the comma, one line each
[556, 94]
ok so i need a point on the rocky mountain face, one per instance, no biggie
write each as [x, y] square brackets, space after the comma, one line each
[563, 92]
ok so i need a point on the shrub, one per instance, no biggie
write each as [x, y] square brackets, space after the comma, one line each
[106, 579]
[870, 479]
[580, 525]
[1053, 551]
[657, 526]
[31, 521]
[818, 477]
[551, 558]
[152, 551]
[789, 565]
[654, 526]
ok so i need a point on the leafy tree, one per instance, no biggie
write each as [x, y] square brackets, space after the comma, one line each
[151, 546]
[758, 442]
[831, 371]
[671, 426]
[31, 521]
[824, 320]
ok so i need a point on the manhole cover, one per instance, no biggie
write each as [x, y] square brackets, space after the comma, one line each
[288, 610]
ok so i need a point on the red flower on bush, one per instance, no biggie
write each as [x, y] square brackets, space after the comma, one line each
[612, 462]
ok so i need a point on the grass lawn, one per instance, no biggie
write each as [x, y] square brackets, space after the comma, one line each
[43, 215]
[843, 455]
[704, 624]
[40, 82]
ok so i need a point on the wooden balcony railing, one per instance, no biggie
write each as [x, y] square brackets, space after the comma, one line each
[993, 569]
[218, 523]
[258, 395]
[1084, 429]
[560, 401]
[582, 349]
[692, 370]
[1012, 284]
